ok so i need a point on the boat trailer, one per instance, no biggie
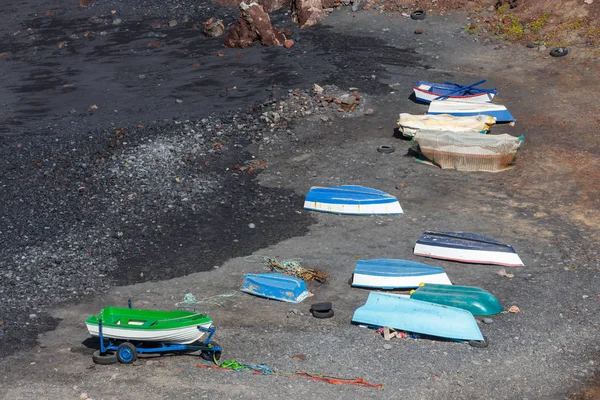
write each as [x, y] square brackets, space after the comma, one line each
[126, 352]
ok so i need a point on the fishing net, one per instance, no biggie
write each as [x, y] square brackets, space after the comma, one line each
[291, 267]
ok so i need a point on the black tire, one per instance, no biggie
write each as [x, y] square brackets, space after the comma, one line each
[209, 355]
[418, 14]
[104, 359]
[126, 353]
[480, 344]
[322, 314]
[386, 149]
[559, 52]
[324, 306]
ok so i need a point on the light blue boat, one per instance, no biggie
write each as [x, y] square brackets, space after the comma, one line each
[388, 273]
[275, 286]
[401, 313]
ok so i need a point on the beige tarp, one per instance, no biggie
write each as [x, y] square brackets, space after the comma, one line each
[468, 151]
[410, 124]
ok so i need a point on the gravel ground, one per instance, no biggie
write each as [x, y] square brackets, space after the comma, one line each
[95, 199]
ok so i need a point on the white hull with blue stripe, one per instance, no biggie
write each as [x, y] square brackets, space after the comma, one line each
[351, 199]
[467, 248]
[470, 108]
[386, 273]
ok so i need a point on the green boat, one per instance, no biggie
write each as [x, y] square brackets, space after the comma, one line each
[470, 298]
[130, 324]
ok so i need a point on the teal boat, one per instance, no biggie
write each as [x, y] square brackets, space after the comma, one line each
[473, 299]
[399, 312]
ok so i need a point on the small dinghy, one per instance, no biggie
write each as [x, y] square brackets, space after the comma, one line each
[275, 286]
[410, 124]
[470, 108]
[467, 248]
[386, 273]
[427, 91]
[473, 299]
[351, 199]
[177, 326]
[401, 313]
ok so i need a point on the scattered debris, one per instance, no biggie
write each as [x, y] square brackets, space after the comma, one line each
[487, 321]
[213, 27]
[514, 310]
[369, 111]
[503, 273]
[310, 12]
[85, 3]
[387, 346]
[94, 107]
[318, 89]
[172, 23]
[189, 300]
[418, 31]
[154, 44]
[292, 267]
[288, 44]
[299, 357]
[263, 369]
[253, 24]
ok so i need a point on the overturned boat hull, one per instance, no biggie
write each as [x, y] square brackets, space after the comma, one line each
[470, 108]
[351, 199]
[398, 312]
[473, 299]
[425, 92]
[385, 273]
[410, 124]
[467, 248]
[276, 287]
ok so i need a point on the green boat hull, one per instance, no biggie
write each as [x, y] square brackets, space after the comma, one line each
[470, 298]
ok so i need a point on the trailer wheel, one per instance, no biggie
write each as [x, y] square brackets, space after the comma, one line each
[210, 355]
[126, 353]
[104, 359]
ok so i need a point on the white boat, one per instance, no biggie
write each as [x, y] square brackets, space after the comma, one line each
[470, 108]
[351, 199]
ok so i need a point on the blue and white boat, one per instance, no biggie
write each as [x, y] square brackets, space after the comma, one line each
[399, 312]
[387, 273]
[427, 91]
[351, 199]
[275, 286]
[467, 248]
[470, 108]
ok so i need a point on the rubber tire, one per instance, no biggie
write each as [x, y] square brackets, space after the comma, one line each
[322, 314]
[418, 15]
[479, 344]
[559, 52]
[106, 359]
[324, 306]
[386, 149]
[208, 356]
[129, 353]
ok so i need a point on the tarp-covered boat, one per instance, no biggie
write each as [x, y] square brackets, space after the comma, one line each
[351, 199]
[386, 273]
[275, 286]
[470, 108]
[473, 299]
[409, 124]
[428, 91]
[175, 326]
[466, 247]
[468, 151]
[398, 312]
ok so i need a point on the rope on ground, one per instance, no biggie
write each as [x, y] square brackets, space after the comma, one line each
[190, 299]
[233, 365]
[291, 267]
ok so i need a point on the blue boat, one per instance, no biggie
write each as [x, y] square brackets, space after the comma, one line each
[387, 273]
[401, 313]
[275, 286]
[427, 91]
[351, 199]
[466, 247]
[470, 108]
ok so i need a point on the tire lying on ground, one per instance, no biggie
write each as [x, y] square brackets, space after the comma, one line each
[386, 149]
[559, 52]
[324, 306]
[104, 359]
[322, 314]
[418, 14]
